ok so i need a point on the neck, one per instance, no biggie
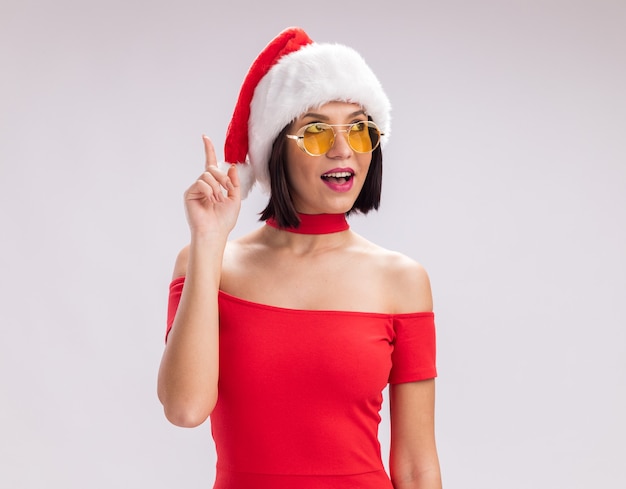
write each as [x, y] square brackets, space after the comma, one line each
[315, 224]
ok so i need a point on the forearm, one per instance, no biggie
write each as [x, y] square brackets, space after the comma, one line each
[187, 385]
[413, 458]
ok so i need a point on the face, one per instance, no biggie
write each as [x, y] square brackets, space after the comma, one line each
[329, 183]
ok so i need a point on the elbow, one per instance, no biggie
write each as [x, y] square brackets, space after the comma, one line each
[414, 476]
[185, 418]
[188, 414]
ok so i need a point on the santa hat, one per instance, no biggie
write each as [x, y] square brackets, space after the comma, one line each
[290, 76]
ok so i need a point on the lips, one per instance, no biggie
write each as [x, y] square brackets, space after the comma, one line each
[339, 179]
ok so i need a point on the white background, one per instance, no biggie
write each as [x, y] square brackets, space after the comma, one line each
[505, 176]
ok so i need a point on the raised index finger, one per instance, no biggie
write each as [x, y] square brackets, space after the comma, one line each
[209, 152]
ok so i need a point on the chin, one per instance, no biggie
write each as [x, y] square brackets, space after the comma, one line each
[327, 204]
[339, 208]
[326, 209]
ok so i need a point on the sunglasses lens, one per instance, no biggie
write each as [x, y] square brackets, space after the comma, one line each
[364, 137]
[318, 139]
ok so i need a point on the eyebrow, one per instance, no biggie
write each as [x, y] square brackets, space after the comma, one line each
[324, 117]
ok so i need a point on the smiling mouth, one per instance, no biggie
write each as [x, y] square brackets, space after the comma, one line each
[339, 177]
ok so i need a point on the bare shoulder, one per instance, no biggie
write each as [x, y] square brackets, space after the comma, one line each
[180, 266]
[409, 281]
[405, 280]
[234, 251]
[239, 249]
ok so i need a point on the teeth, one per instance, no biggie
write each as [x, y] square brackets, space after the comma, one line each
[341, 174]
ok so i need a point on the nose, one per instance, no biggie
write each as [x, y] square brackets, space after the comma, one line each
[340, 149]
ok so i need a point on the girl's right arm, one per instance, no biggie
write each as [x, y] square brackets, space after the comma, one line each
[187, 381]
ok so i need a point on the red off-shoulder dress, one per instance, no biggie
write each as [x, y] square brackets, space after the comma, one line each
[300, 392]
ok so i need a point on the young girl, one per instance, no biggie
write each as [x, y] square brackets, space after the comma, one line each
[287, 337]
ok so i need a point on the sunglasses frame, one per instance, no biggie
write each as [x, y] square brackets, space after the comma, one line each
[299, 136]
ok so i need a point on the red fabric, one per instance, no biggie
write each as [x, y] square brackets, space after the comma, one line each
[236, 143]
[316, 224]
[176, 289]
[300, 392]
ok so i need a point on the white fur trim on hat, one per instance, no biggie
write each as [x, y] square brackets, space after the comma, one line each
[308, 78]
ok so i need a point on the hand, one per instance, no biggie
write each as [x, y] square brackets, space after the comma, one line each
[212, 203]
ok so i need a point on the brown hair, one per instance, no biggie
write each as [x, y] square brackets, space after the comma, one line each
[280, 205]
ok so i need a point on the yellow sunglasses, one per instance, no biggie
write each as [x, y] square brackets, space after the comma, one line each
[318, 138]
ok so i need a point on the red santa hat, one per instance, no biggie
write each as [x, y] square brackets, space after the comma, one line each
[290, 76]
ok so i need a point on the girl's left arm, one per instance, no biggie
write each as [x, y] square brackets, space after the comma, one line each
[413, 460]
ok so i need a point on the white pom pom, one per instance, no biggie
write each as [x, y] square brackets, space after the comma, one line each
[246, 176]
